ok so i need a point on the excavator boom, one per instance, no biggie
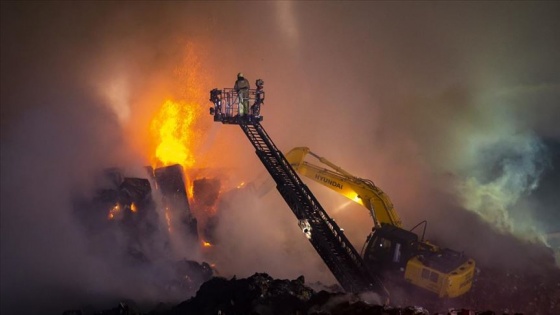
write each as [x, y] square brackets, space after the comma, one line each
[362, 191]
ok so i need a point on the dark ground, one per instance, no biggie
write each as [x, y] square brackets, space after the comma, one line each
[495, 291]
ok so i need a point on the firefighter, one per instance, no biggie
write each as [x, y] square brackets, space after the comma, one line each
[259, 99]
[242, 87]
[216, 98]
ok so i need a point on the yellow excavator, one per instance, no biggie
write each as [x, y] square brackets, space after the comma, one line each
[395, 252]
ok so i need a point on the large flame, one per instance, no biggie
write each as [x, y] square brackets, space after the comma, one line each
[179, 134]
[173, 127]
[177, 127]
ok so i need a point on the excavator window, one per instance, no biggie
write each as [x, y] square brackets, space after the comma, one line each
[430, 275]
[385, 252]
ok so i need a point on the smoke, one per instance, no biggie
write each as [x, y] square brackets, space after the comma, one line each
[507, 170]
[261, 235]
[450, 108]
[61, 126]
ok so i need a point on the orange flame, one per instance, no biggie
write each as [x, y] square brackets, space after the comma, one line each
[178, 127]
[113, 211]
[173, 126]
[168, 219]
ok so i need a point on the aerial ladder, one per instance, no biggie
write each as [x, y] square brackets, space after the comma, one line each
[323, 233]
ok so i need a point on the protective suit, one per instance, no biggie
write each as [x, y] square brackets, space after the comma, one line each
[242, 87]
[259, 98]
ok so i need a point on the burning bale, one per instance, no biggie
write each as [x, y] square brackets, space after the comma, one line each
[123, 217]
[206, 192]
[121, 210]
[126, 204]
[170, 182]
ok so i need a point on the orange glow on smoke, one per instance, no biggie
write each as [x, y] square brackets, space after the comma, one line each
[168, 219]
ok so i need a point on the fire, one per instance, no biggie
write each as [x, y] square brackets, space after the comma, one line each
[173, 126]
[133, 207]
[178, 128]
[113, 211]
[168, 219]
[190, 188]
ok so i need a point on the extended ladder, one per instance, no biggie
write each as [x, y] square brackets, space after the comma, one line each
[324, 234]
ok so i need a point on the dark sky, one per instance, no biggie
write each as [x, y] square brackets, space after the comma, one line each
[451, 108]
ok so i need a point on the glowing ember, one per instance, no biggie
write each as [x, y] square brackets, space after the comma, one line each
[206, 244]
[190, 188]
[173, 127]
[133, 207]
[241, 185]
[113, 211]
[168, 219]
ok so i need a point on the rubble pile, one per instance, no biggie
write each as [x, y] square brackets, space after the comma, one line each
[261, 294]
[258, 294]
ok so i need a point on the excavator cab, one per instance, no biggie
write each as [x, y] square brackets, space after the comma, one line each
[389, 248]
[397, 252]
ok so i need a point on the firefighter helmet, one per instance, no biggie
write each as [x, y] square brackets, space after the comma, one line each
[260, 82]
[240, 75]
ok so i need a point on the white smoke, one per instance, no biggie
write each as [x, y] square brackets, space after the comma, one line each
[503, 170]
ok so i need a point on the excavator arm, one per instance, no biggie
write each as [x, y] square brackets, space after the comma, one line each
[389, 247]
[361, 191]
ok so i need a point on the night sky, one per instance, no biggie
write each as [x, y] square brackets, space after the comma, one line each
[453, 109]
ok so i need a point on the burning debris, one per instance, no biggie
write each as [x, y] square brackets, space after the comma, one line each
[207, 192]
[172, 186]
[123, 210]
[125, 214]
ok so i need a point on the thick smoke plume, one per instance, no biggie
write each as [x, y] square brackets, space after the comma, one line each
[450, 108]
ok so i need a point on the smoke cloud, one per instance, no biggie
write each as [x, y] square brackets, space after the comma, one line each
[450, 108]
